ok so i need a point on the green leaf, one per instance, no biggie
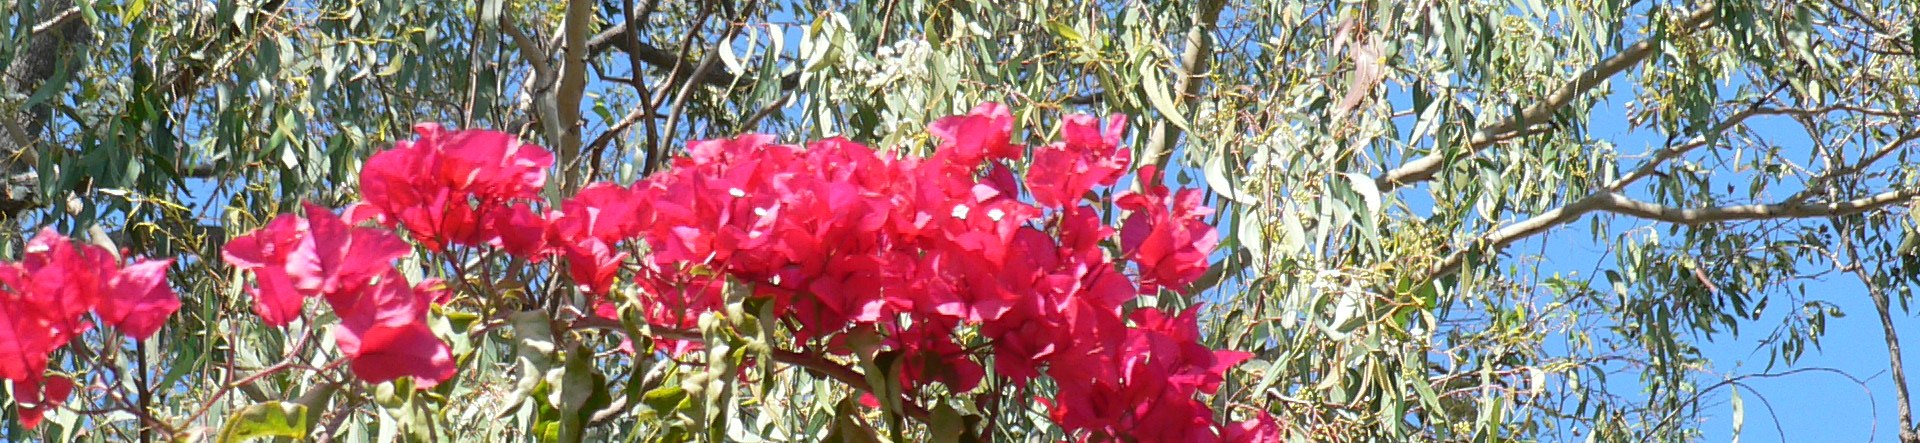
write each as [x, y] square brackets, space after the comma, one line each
[948, 426]
[1215, 170]
[1158, 95]
[1739, 414]
[574, 385]
[1065, 31]
[1251, 234]
[533, 353]
[271, 419]
[846, 428]
[87, 12]
[665, 400]
[134, 9]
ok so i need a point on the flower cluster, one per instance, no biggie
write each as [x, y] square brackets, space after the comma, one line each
[448, 188]
[383, 328]
[939, 256]
[44, 302]
[955, 263]
[457, 188]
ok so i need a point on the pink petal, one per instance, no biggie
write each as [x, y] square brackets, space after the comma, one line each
[140, 300]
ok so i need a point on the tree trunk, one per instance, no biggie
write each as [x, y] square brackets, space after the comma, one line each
[58, 34]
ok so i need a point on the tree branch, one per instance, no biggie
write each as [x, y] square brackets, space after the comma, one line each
[58, 19]
[49, 45]
[1819, 183]
[1673, 152]
[1620, 204]
[1424, 168]
[700, 71]
[573, 83]
[1617, 203]
[533, 89]
[1195, 60]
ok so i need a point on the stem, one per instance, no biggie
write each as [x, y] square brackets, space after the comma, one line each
[815, 363]
[140, 384]
[827, 368]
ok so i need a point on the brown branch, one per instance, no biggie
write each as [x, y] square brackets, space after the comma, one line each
[601, 141]
[1620, 204]
[49, 46]
[1676, 151]
[1424, 168]
[534, 88]
[827, 368]
[814, 363]
[618, 37]
[707, 64]
[528, 48]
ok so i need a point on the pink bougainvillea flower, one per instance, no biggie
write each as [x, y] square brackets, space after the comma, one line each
[139, 300]
[491, 164]
[398, 184]
[980, 135]
[1145, 388]
[593, 264]
[1086, 159]
[1167, 236]
[442, 186]
[1262, 428]
[294, 258]
[28, 331]
[349, 256]
[1170, 348]
[36, 397]
[65, 278]
[284, 264]
[603, 211]
[521, 231]
[383, 330]
[931, 355]
[843, 240]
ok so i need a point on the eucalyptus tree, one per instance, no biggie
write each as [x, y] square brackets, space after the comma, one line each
[1388, 174]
